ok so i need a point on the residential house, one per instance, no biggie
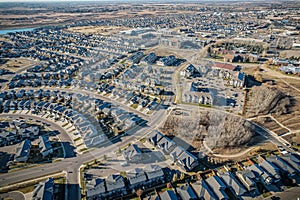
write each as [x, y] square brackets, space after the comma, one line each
[166, 145]
[218, 187]
[248, 179]
[115, 184]
[186, 192]
[236, 187]
[23, 151]
[132, 154]
[292, 160]
[174, 155]
[271, 169]
[44, 190]
[154, 174]
[203, 191]
[45, 146]
[154, 137]
[187, 161]
[137, 178]
[282, 165]
[167, 195]
[95, 188]
[264, 176]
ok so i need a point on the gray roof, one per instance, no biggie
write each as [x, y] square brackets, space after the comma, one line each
[114, 182]
[95, 187]
[203, 191]
[186, 192]
[132, 151]
[168, 195]
[153, 171]
[271, 168]
[248, 179]
[166, 145]
[23, 148]
[176, 153]
[44, 143]
[282, 164]
[260, 172]
[136, 176]
[154, 137]
[233, 183]
[217, 186]
[292, 160]
[187, 160]
[44, 190]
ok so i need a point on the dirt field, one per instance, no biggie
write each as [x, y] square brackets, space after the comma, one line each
[103, 30]
[272, 125]
[17, 64]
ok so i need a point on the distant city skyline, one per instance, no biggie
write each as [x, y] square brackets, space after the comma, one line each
[146, 1]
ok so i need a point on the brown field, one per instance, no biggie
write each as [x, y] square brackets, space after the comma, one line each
[103, 30]
[294, 138]
[272, 125]
[290, 53]
[17, 64]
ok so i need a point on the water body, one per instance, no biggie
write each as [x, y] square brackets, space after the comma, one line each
[2, 32]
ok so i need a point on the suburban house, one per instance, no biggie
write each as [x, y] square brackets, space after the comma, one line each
[248, 179]
[154, 137]
[203, 191]
[95, 188]
[174, 155]
[292, 160]
[218, 187]
[45, 146]
[235, 186]
[166, 145]
[137, 178]
[264, 176]
[283, 166]
[271, 169]
[187, 161]
[115, 184]
[186, 192]
[154, 174]
[44, 190]
[23, 151]
[132, 154]
[167, 195]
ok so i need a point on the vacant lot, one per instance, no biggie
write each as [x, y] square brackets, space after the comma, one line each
[272, 125]
[103, 30]
[17, 64]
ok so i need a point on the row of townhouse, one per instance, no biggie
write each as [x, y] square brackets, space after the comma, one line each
[241, 184]
[24, 148]
[116, 185]
[181, 157]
